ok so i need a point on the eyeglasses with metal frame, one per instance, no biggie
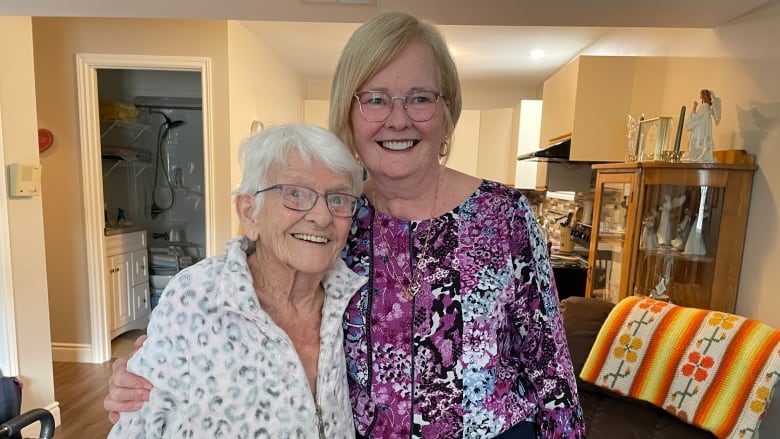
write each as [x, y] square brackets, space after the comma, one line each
[303, 199]
[377, 106]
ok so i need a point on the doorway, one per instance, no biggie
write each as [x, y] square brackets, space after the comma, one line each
[88, 66]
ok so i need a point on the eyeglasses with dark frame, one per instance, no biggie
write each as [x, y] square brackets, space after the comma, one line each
[376, 106]
[303, 199]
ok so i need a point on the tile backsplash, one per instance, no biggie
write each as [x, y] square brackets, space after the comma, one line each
[553, 209]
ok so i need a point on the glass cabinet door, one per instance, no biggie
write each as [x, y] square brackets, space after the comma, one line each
[611, 237]
[661, 230]
[679, 229]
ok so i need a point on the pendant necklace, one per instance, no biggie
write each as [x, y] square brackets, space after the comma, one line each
[413, 280]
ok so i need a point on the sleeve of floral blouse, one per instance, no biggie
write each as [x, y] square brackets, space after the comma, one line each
[544, 351]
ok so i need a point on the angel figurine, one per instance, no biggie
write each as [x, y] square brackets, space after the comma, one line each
[700, 125]
[683, 228]
[695, 243]
[648, 239]
[664, 225]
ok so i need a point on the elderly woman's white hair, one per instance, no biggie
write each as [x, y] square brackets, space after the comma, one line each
[276, 144]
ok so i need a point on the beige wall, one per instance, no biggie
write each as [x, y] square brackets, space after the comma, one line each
[497, 145]
[262, 88]
[465, 143]
[25, 215]
[487, 95]
[318, 89]
[56, 42]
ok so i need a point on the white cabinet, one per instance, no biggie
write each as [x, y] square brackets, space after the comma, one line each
[127, 281]
[139, 260]
[529, 126]
[118, 273]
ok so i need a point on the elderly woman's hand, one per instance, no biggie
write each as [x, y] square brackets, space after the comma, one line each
[126, 391]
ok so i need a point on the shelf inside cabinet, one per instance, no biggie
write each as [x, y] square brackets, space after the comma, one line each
[117, 138]
[138, 166]
[612, 237]
[676, 254]
[132, 131]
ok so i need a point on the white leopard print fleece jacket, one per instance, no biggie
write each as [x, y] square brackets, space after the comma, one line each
[221, 367]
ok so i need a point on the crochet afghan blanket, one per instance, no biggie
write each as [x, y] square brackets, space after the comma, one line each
[710, 369]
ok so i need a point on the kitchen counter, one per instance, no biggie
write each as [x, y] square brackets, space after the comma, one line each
[568, 261]
[571, 273]
[118, 230]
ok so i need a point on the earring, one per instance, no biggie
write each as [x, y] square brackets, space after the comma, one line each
[444, 149]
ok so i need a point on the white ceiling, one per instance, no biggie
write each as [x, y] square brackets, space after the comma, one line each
[481, 52]
[489, 38]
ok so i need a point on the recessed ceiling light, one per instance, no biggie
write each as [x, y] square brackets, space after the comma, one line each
[537, 54]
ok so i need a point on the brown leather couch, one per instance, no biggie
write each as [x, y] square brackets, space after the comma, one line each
[609, 415]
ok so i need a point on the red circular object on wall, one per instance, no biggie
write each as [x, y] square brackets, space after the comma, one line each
[45, 139]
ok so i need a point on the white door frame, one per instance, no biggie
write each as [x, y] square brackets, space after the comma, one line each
[9, 362]
[92, 178]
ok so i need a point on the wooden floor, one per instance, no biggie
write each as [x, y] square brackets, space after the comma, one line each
[80, 389]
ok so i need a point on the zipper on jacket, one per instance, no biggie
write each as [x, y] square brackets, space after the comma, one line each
[320, 424]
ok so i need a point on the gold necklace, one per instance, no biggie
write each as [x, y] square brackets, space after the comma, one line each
[416, 271]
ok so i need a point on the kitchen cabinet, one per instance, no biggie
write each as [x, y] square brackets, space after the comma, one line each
[590, 97]
[127, 281]
[672, 231]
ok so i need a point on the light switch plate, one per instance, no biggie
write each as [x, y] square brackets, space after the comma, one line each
[24, 180]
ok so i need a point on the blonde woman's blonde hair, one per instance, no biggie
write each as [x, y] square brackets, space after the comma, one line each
[370, 49]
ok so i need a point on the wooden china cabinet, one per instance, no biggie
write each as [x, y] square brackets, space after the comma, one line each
[672, 231]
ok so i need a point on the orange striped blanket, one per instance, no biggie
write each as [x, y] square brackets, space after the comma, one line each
[710, 369]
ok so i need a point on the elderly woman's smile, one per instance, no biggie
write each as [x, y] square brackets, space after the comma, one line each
[311, 238]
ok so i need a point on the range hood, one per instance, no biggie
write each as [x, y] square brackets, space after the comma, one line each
[555, 152]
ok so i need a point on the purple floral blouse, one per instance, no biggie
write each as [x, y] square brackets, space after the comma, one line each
[480, 348]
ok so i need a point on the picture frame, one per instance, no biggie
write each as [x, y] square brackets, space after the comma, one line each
[653, 138]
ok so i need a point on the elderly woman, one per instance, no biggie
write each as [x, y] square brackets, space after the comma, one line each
[249, 343]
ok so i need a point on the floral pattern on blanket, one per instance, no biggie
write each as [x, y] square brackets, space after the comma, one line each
[711, 369]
